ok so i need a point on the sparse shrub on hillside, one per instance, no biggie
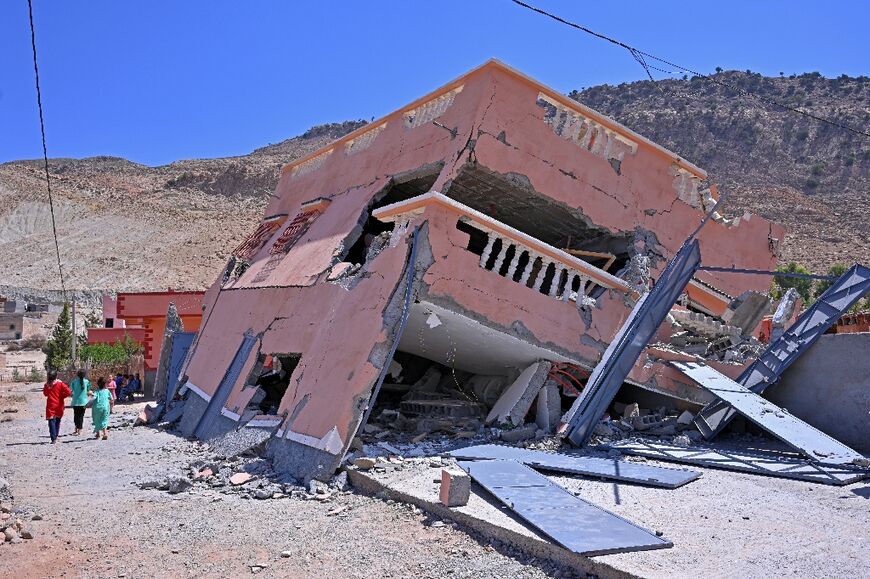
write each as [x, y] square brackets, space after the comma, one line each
[35, 375]
[781, 284]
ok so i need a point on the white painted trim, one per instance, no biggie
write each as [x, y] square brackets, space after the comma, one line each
[197, 390]
[264, 422]
[331, 441]
[417, 204]
[229, 414]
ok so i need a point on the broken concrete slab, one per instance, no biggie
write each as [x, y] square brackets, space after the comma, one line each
[572, 522]
[814, 443]
[746, 311]
[775, 464]
[513, 405]
[548, 407]
[591, 466]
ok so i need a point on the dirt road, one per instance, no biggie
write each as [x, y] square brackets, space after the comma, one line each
[96, 522]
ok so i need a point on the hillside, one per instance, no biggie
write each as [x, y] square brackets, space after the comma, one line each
[811, 177]
[127, 226]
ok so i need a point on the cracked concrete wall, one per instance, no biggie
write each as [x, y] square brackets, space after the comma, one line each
[642, 195]
[494, 121]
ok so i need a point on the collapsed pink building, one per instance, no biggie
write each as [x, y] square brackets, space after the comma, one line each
[534, 217]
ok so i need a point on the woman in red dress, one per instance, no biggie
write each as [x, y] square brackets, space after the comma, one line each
[55, 392]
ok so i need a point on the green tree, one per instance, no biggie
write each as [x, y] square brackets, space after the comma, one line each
[781, 284]
[835, 270]
[58, 348]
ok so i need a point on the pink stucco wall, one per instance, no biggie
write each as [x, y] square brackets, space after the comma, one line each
[336, 330]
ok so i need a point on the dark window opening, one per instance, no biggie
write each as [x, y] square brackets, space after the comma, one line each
[400, 190]
[110, 322]
[273, 372]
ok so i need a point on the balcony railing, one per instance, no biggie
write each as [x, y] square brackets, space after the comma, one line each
[515, 255]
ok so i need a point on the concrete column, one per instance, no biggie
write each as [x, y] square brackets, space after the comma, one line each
[545, 263]
[484, 257]
[512, 268]
[528, 271]
[557, 279]
[499, 260]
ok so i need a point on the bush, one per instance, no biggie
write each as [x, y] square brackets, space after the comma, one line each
[803, 286]
[35, 375]
[117, 354]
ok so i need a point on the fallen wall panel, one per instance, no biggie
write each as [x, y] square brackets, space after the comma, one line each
[634, 335]
[781, 353]
[605, 468]
[766, 464]
[575, 524]
[789, 428]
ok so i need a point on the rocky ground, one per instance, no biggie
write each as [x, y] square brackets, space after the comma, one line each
[93, 511]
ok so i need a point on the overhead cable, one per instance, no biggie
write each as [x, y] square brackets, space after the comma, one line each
[45, 149]
[640, 56]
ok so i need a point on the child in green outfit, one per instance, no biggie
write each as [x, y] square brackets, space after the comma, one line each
[101, 409]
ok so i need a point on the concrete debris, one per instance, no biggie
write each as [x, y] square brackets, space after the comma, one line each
[240, 478]
[519, 433]
[514, 403]
[455, 487]
[784, 313]
[548, 407]
[746, 311]
[686, 418]
[364, 463]
[174, 413]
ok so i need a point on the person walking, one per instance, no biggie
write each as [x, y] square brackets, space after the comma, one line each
[55, 391]
[80, 387]
[102, 408]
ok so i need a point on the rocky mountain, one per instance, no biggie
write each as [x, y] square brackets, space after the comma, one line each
[127, 226]
[812, 177]
[130, 227]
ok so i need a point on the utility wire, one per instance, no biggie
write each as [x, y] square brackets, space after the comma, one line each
[641, 56]
[44, 148]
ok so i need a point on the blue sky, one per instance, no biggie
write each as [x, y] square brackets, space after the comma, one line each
[155, 81]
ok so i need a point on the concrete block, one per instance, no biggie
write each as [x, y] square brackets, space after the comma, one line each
[548, 407]
[513, 405]
[520, 433]
[455, 487]
[685, 418]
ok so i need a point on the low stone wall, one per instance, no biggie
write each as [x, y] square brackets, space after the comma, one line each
[829, 387]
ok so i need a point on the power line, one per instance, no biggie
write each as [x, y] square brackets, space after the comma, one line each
[640, 56]
[44, 148]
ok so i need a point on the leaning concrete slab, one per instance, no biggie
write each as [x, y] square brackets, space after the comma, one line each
[793, 431]
[514, 404]
[774, 464]
[592, 466]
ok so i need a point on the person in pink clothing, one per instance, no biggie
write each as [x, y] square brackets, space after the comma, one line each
[111, 386]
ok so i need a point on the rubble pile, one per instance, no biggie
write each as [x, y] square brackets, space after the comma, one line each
[12, 528]
[631, 420]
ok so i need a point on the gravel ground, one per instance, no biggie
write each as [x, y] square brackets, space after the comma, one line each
[97, 522]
